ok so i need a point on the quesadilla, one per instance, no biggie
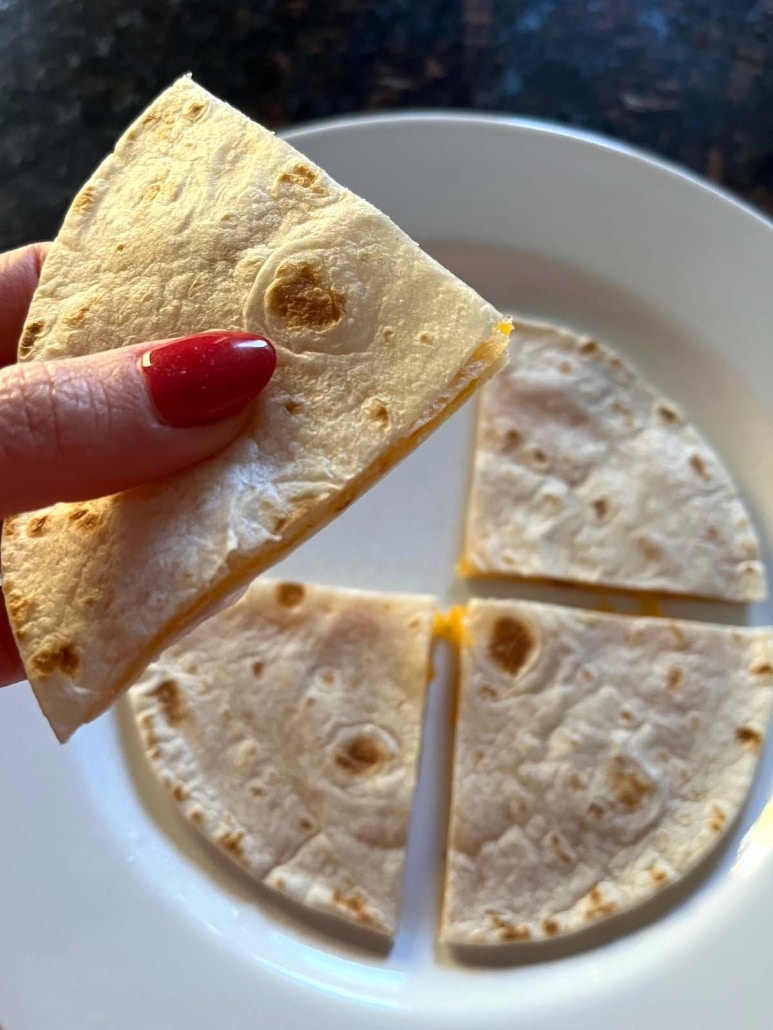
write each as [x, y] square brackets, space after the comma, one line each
[287, 729]
[598, 759]
[582, 472]
[202, 219]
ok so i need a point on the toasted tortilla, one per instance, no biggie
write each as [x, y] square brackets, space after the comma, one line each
[203, 219]
[598, 759]
[287, 728]
[583, 473]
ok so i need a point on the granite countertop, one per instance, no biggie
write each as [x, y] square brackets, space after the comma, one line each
[689, 79]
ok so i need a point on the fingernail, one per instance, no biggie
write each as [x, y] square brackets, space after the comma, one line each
[206, 378]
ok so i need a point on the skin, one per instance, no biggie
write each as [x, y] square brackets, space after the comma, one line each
[75, 429]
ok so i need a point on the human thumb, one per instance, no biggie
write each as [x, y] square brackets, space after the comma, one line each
[84, 427]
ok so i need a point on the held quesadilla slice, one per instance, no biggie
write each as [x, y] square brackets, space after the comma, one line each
[583, 473]
[598, 759]
[202, 219]
[287, 728]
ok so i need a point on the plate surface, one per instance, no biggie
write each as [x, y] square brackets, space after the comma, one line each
[114, 915]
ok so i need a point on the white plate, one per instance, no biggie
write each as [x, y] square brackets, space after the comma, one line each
[113, 915]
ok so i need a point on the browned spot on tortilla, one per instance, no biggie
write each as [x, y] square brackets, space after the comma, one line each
[62, 658]
[628, 786]
[378, 411]
[85, 199]
[595, 809]
[257, 792]
[293, 407]
[305, 824]
[257, 669]
[675, 678]
[668, 414]
[718, 819]
[749, 737]
[303, 177]
[362, 755]
[425, 337]
[147, 731]
[31, 332]
[761, 668]
[388, 334]
[586, 675]
[179, 792]
[589, 347]
[598, 906]
[231, 841]
[601, 507]
[328, 678]
[659, 876]
[509, 933]
[699, 466]
[713, 534]
[120, 247]
[550, 927]
[20, 609]
[36, 525]
[539, 456]
[558, 850]
[511, 441]
[196, 816]
[279, 883]
[309, 702]
[679, 638]
[10, 527]
[511, 644]
[626, 716]
[356, 905]
[84, 518]
[487, 691]
[77, 317]
[194, 110]
[169, 696]
[290, 595]
[649, 549]
[303, 297]
[565, 367]
[89, 602]
[576, 781]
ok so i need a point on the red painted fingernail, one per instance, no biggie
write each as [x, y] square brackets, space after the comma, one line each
[205, 378]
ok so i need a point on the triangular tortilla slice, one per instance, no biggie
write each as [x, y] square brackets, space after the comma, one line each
[203, 219]
[583, 473]
[598, 759]
[287, 727]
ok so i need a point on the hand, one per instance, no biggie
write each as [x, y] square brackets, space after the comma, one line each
[79, 428]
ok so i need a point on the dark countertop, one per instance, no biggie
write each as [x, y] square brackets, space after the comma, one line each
[691, 80]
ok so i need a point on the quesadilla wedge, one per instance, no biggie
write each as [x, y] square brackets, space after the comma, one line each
[583, 473]
[598, 759]
[202, 219]
[287, 728]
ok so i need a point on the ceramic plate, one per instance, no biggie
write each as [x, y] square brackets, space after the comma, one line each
[113, 914]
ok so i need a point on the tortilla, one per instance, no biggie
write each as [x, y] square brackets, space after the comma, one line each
[583, 473]
[203, 219]
[287, 728]
[598, 759]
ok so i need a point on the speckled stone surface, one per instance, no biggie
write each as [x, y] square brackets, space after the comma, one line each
[689, 79]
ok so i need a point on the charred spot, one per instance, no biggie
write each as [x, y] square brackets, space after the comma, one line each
[595, 810]
[626, 716]
[698, 465]
[601, 507]
[293, 407]
[749, 737]
[576, 782]
[424, 337]
[279, 883]
[305, 824]
[539, 457]
[302, 296]
[550, 927]
[675, 678]
[64, 658]
[232, 842]
[378, 412]
[20, 609]
[718, 819]
[629, 788]
[29, 337]
[668, 415]
[194, 110]
[257, 669]
[196, 816]
[511, 645]
[290, 595]
[36, 526]
[761, 668]
[84, 518]
[488, 691]
[301, 177]
[355, 905]
[558, 849]
[659, 876]
[85, 199]
[170, 698]
[179, 793]
[387, 334]
[120, 248]
[589, 348]
[598, 907]
[512, 440]
[361, 756]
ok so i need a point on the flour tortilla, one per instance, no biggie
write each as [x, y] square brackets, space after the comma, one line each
[583, 473]
[598, 759]
[203, 219]
[287, 728]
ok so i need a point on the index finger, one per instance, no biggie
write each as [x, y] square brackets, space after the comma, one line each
[19, 275]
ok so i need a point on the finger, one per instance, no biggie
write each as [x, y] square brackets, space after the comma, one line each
[19, 275]
[86, 427]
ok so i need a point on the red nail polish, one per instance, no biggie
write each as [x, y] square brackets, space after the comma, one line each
[205, 378]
